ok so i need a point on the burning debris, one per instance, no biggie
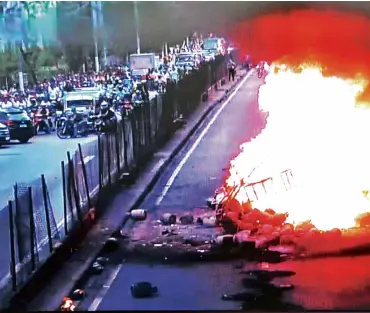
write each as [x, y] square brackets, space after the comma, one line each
[68, 305]
[286, 191]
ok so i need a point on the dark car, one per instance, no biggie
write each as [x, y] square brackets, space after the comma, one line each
[4, 135]
[19, 124]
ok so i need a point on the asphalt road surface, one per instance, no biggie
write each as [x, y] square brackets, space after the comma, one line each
[192, 177]
[331, 283]
[24, 163]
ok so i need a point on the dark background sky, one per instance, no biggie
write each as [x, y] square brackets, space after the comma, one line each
[171, 21]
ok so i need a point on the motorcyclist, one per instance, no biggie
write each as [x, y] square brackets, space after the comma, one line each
[108, 116]
[77, 119]
[43, 113]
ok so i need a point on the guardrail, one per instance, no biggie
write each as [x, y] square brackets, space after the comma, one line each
[37, 225]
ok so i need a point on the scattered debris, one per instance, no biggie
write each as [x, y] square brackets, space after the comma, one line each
[97, 268]
[143, 290]
[78, 295]
[138, 215]
[187, 219]
[242, 296]
[268, 275]
[168, 219]
[111, 245]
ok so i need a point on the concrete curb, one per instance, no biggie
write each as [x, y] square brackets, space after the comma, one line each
[81, 272]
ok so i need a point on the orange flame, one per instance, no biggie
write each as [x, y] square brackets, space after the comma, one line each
[68, 305]
[313, 154]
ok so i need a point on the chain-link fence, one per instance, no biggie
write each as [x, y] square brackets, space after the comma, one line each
[38, 221]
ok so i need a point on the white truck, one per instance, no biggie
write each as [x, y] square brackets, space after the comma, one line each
[214, 45]
[141, 63]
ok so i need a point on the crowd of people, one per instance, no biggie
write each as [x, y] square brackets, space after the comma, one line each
[116, 80]
[120, 89]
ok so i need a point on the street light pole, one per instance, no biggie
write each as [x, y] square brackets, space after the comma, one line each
[137, 24]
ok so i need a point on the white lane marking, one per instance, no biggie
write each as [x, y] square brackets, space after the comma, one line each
[87, 159]
[102, 293]
[199, 139]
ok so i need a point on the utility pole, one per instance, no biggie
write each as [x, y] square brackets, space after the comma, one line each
[100, 6]
[137, 26]
[94, 9]
[20, 66]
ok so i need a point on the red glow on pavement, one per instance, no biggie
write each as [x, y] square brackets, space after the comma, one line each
[338, 41]
[332, 283]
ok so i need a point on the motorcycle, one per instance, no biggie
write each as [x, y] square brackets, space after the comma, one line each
[67, 126]
[127, 107]
[40, 122]
[93, 123]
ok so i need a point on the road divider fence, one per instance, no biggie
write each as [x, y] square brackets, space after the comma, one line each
[41, 230]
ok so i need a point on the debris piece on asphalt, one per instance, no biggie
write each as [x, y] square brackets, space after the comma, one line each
[187, 219]
[78, 295]
[138, 215]
[168, 219]
[111, 245]
[241, 296]
[268, 274]
[226, 240]
[209, 221]
[143, 290]
[267, 287]
[97, 268]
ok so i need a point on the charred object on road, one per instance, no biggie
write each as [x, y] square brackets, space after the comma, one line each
[193, 236]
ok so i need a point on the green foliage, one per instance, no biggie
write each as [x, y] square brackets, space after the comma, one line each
[39, 60]
[38, 8]
[8, 64]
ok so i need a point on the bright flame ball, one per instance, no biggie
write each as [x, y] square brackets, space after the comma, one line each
[314, 129]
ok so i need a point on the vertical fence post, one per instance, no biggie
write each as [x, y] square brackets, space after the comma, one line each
[125, 142]
[16, 202]
[100, 154]
[48, 225]
[32, 229]
[85, 176]
[74, 189]
[65, 214]
[134, 134]
[116, 141]
[69, 191]
[109, 136]
[13, 271]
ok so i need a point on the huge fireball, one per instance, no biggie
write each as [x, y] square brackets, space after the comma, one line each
[317, 133]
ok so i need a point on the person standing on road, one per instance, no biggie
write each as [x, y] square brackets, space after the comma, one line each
[231, 66]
